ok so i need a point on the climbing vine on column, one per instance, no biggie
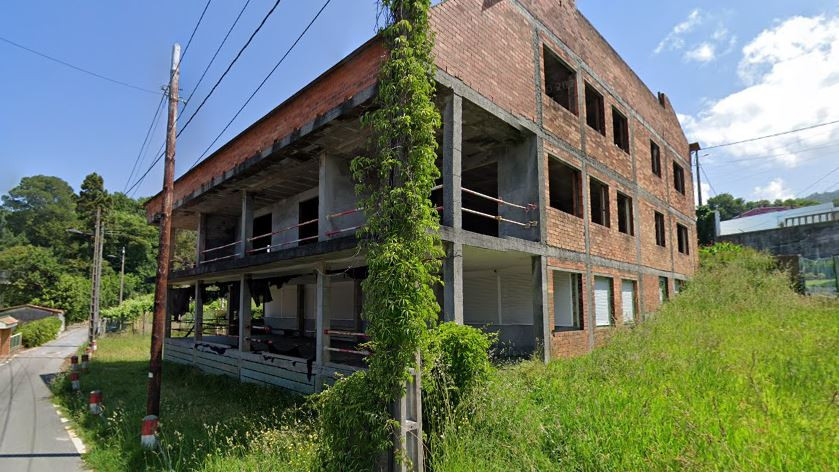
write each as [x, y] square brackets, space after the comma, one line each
[393, 182]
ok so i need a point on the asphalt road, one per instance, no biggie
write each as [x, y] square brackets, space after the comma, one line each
[32, 435]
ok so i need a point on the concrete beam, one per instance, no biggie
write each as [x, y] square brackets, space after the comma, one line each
[452, 146]
[453, 283]
[244, 313]
[245, 225]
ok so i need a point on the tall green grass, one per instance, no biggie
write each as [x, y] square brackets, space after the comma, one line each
[736, 373]
[208, 423]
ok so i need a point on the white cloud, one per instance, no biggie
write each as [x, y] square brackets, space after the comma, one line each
[790, 80]
[706, 193]
[774, 190]
[675, 38]
[704, 52]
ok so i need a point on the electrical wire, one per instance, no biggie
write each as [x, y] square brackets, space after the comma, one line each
[749, 140]
[708, 180]
[67, 64]
[261, 84]
[230, 66]
[145, 141]
[790, 153]
[189, 41]
[223, 41]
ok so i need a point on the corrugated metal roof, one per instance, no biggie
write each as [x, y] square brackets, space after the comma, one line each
[766, 221]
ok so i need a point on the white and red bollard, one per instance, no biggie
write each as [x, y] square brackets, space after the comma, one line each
[74, 363]
[74, 381]
[95, 402]
[85, 361]
[148, 433]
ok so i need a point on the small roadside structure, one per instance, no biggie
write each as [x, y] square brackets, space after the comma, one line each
[28, 312]
[7, 327]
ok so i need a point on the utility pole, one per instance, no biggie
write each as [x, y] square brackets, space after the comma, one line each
[162, 282]
[122, 276]
[694, 148]
[94, 280]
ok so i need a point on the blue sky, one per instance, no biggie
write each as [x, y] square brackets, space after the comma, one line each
[732, 70]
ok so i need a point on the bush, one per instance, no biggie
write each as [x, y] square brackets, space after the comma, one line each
[131, 309]
[35, 333]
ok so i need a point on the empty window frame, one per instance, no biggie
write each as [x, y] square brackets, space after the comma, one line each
[595, 112]
[626, 223]
[620, 128]
[682, 235]
[678, 178]
[655, 158]
[678, 286]
[599, 201]
[564, 183]
[603, 301]
[307, 211]
[663, 290]
[560, 81]
[660, 238]
[628, 300]
[568, 312]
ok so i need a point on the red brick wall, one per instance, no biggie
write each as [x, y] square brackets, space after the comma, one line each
[324, 94]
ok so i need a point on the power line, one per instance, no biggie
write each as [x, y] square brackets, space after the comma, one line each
[817, 181]
[189, 41]
[230, 66]
[790, 153]
[67, 64]
[772, 135]
[277, 65]
[230, 30]
[145, 140]
[702, 169]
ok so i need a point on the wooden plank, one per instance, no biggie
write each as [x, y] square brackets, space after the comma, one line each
[214, 371]
[277, 372]
[213, 357]
[294, 364]
[178, 359]
[258, 377]
[232, 369]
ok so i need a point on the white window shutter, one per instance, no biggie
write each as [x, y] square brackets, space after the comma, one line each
[602, 301]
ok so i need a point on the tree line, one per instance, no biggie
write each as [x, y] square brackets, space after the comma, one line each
[46, 244]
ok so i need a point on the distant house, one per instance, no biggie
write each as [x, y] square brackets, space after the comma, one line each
[811, 232]
[27, 313]
[7, 326]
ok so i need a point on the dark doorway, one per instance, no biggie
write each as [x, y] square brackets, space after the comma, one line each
[484, 180]
[308, 211]
[262, 233]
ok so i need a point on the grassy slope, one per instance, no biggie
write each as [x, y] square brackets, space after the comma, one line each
[737, 373]
[208, 422]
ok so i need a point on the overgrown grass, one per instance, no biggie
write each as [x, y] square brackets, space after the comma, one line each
[208, 422]
[736, 373]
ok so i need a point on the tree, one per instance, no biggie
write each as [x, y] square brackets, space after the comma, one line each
[32, 272]
[41, 208]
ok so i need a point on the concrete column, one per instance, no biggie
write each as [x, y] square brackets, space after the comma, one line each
[201, 239]
[452, 145]
[541, 316]
[321, 324]
[336, 193]
[245, 225]
[244, 313]
[453, 283]
[199, 312]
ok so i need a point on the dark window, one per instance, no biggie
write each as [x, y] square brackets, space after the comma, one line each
[682, 234]
[262, 234]
[560, 81]
[599, 202]
[625, 219]
[659, 230]
[620, 126]
[594, 110]
[655, 158]
[679, 178]
[484, 180]
[663, 290]
[306, 212]
[564, 183]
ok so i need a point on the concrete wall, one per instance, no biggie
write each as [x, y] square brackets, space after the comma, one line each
[811, 241]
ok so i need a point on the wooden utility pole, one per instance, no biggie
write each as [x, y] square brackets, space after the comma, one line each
[162, 281]
[122, 276]
[94, 280]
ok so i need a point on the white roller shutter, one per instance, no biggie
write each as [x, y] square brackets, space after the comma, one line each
[628, 301]
[602, 301]
[480, 297]
[563, 300]
[516, 298]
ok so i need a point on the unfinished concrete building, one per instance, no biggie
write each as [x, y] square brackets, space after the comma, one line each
[565, 199]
